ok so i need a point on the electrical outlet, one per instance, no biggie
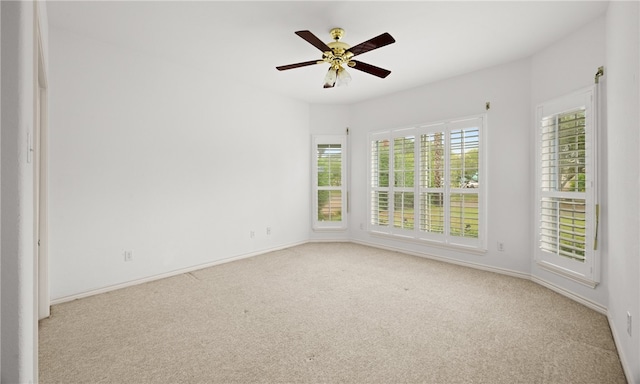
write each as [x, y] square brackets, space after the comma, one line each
[629, 323]
[362, 226]
[128, 255]
[252, 234]
[268, 230]
[500, 246]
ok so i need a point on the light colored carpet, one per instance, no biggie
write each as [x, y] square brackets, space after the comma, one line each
[329, 312]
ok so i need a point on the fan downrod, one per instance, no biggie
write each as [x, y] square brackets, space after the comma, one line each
[337, 33]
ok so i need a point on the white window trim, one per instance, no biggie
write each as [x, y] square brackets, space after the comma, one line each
[317, 225]
[587, 272]
[469, 245]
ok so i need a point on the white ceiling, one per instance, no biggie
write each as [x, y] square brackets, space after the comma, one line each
[247, 40]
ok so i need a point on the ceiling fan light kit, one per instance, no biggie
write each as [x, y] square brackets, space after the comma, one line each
[339, 54]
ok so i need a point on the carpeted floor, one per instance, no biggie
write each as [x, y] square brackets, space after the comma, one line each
[329, 312]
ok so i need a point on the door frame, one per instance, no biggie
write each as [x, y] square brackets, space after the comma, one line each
[41, 179]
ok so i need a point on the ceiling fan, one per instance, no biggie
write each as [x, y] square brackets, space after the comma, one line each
[338, 53]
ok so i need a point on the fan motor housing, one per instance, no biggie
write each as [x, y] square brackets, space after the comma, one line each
[338, 47]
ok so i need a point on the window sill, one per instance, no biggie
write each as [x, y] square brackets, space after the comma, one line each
[431, 243]
[329, 229]
[569, 274]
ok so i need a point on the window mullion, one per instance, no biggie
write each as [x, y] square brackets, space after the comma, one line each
[556, 154]
[417, 160]
[557, 210]
[447, 182]
[392, 178]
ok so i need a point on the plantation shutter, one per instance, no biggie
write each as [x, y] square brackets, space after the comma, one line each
[566, 193]
[425, 183]
[564, 177]
[464, 180]
[329, 182]
[432, 179]
[403, 182]
[329, 158]
[380, 149]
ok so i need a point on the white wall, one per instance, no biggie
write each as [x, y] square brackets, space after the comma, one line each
[623, 126]
[18, 326]
[174, 164]
[568, 65]
[507, 87]
[328, 119]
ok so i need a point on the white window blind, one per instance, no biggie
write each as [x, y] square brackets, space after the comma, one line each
[566, 203]
[563, 175]
[435, 193]
[432, 176]
[464, 211]
[329, 182]
[380, 182]
[403, 182]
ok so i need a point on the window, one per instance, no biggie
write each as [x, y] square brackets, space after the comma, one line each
[329, 182]
[566, 192]
[425, 182]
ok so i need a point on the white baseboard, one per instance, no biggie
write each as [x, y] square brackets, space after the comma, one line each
[169, 274]
[621, 355]
[329, 241]
[502, 271]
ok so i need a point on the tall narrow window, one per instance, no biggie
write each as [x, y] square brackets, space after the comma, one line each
[436, 191]
[566, 154]
[329, 182]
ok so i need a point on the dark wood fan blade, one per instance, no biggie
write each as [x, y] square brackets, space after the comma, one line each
[298, 65]
[370, 69]
[371, 44]
[313, 40]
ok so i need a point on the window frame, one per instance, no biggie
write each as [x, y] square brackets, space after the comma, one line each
[445, 239]
[586, 272]
[323, 225]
